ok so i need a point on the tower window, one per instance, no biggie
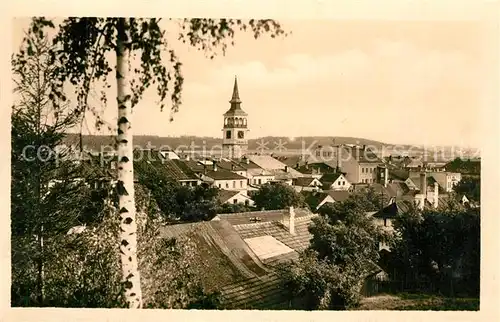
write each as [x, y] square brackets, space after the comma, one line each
[241, 134]
[228, 134]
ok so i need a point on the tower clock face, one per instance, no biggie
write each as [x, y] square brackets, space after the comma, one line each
[241, 134]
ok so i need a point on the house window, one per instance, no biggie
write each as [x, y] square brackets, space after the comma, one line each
[338, 183]
[227, 184]
[318, 153]
[362, 170]
[234, 184]
[385, 222]
[343, 183]
[371, 170]
[228, 134]
[247, 203]
[219, 185]
[260, 181]
[241, 184]
[235, 201]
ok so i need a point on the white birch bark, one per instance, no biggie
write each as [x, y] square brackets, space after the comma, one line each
[125, 184]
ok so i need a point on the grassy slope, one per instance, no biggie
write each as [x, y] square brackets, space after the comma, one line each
[418, 302]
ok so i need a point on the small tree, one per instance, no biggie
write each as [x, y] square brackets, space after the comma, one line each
[273, 196]
[39, 120]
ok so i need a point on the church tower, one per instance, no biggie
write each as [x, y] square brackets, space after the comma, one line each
[234, 140]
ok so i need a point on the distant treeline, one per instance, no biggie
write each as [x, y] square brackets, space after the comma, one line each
[467, 167]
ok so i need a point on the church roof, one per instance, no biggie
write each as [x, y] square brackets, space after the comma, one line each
[235, 101]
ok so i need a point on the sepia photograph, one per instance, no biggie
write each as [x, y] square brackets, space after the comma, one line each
[246, 164]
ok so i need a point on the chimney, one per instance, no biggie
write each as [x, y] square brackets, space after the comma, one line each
[291, 223]
[423, 184]
[214, 163]
[436, 195]
[286, 168]
[420, 200]
[386, 176]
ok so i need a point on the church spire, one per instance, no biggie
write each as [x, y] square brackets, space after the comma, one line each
[236, 94]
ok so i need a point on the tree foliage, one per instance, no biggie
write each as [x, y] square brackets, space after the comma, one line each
[343, 252]
[39, 209]
[177, 202]
[83, 270]
[438, 251]
[470, 187]
[471, 167]
[272, 196]
[84, 45]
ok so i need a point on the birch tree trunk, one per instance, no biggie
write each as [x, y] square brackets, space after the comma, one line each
[125, 184]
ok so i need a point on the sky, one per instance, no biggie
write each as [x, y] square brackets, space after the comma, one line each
[407, 82]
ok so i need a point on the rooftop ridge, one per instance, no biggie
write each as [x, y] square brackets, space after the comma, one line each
[250, 225]
[263, 212]
[306, 217]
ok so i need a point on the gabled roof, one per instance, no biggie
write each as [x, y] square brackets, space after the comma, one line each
[394, 209]
[225, 195]
[292, 160]
[399, 188]
[314, 198]
[222, 174]
[399, 174]
[230, 165]
[226, 261]
[298, 242]
[176, 170]
[194, 165]
[329, 178]
[377, 187]
[312, 168]
[303, 181]
[271, 164]
[247, 164]
[254, 172]
[220, 252]
[339, 195]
